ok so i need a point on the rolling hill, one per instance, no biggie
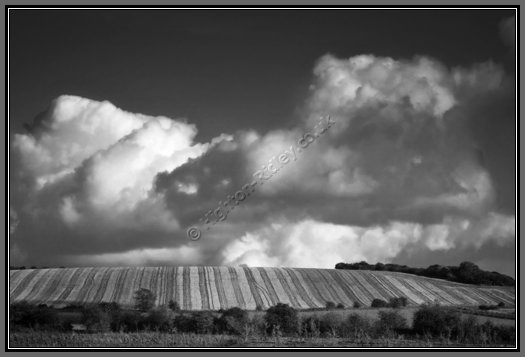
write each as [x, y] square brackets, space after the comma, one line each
[213, 288]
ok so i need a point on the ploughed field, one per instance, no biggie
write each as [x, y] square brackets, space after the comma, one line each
[222, 287]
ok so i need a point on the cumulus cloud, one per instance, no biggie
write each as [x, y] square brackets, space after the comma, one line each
[398, 170]
[90, 167]
[310, 243]
[402, 148]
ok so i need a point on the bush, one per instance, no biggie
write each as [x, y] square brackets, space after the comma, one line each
[184, 323]
[232, 321]
[130, 321]
[504, 335]
[331, 324]
[330, 305]
[281, 317]
[501, 304]
[379, 303]
[467, 330]
[258, 308]
[311, 327]
[257, 324]
[174, 306]
[113, 310]
[488, 307]
[435, 321]
[340, 306]
[144, 299]
[390, 322]
[397, 302]
[356, 326]
[159, 319]
[25, 315]
[357, 305]
[96, 319]
[197, 322]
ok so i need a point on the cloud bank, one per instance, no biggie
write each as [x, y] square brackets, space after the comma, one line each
[400, 171]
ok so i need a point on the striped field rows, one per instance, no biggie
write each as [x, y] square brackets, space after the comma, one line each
[221, 287]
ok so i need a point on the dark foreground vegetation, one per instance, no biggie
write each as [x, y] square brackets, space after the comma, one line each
[107, 324]
[466, 272]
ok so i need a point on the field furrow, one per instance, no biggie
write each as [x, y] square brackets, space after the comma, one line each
[269, 287]
[254, 288]
[247, 296]
[216, 287]
[214, 296]
[220, 287]
[203, 287]
[290, 298]
[186, 288]
[313, 285]
[236, 287]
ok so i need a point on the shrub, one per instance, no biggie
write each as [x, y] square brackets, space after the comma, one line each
[159, 319]
[505, 335]
[232, 321]
[311, 327]
[331, 324]
[144, 299]
[281, 317]
[196, 322]
[258, 308]
[203, 322]
[357, 305]
[397, 302]
[467, 330]
[356, 326]
[257, 324]
[184, 323]
[470, 331]
[330, 305]
[340, 306]
[501, 304]
[130, 321]
[113, 310]
[390, 322]
[435, 321]
[174, 306]
[379, 303]
[96, 319]
[23, 314]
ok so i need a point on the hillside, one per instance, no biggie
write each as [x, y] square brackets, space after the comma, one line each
[213, 288]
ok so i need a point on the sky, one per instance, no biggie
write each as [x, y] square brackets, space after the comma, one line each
[127, 126]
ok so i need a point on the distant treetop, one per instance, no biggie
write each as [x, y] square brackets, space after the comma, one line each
[466, 272]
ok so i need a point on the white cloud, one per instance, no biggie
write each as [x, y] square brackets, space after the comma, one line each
[96, 165]
[310, 243]
[367, 80]
[398, 151]
[138, 257]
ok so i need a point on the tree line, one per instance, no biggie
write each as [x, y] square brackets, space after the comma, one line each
[435, 322]
[466, 272]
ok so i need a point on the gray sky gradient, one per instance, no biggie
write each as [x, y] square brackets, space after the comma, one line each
[126, 127]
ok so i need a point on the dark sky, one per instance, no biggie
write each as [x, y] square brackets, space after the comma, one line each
[236, 71]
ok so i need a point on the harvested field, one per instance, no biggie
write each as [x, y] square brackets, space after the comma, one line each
[213, 288]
